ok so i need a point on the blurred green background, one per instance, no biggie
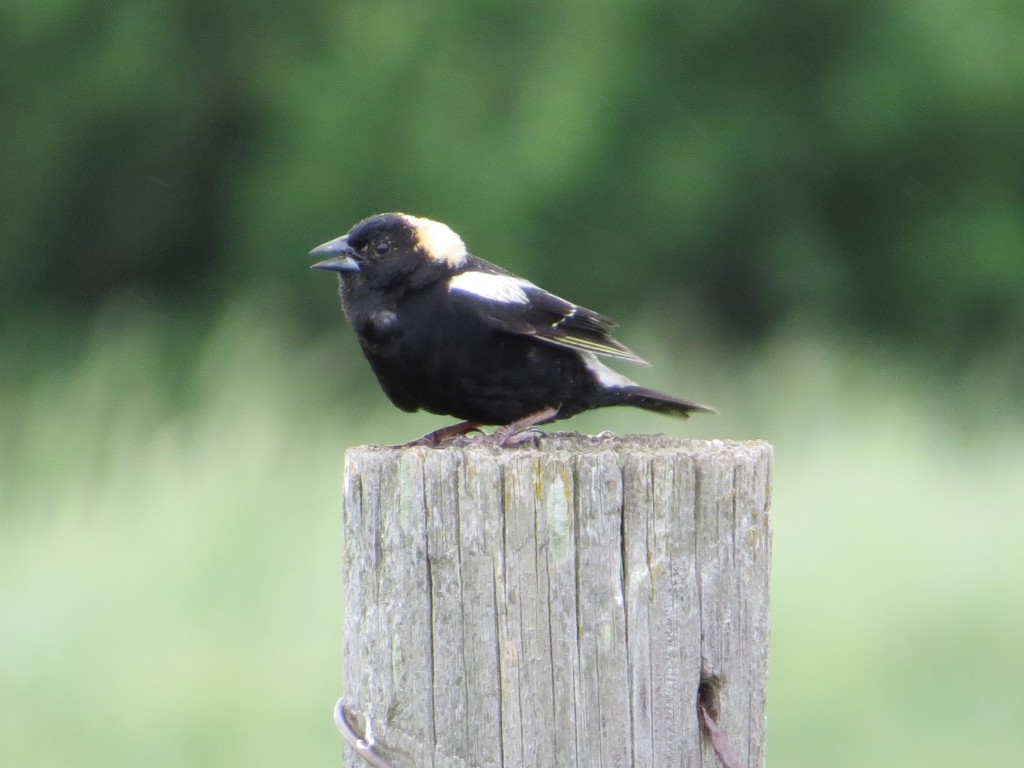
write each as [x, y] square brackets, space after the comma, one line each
[809, 214]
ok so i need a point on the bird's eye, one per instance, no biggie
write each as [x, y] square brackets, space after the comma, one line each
[382, 247]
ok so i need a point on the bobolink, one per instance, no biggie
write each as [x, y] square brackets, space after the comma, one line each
[456, 335]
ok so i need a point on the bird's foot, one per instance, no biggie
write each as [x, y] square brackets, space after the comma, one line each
[529, 437]
[519, 432]
[476, 437]
[498, 439]
[444, 436]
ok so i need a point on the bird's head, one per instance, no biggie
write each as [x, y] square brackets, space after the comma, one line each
[390, 247]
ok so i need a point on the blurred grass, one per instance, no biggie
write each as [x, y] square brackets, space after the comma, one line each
[170, 553]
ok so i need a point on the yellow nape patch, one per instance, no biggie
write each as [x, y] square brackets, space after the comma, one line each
[437, 240]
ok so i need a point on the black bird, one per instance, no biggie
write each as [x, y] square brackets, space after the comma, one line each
[456, 335]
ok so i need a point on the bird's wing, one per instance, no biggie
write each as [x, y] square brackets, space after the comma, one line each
[517, 306]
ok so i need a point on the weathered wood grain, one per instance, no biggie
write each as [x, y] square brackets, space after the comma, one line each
[557, 605]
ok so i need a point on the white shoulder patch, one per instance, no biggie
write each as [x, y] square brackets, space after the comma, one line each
[438, 240]
[506, 289]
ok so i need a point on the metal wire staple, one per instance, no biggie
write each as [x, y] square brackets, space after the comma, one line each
[360, 744]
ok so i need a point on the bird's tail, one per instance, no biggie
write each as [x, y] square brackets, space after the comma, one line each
[648, 399]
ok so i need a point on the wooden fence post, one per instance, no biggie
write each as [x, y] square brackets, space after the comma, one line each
[557, 606]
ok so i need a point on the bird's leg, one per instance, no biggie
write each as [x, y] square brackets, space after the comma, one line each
[441, 436]
[513, 434]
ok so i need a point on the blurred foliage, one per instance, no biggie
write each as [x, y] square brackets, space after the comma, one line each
[170, 576]
[847, 164]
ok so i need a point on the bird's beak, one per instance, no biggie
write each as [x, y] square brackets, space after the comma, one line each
[341, 256]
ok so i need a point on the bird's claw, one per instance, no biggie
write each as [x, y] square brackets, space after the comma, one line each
[427, 441]
[516, 439]
[471, 437]
[441, 437]
[509, 436]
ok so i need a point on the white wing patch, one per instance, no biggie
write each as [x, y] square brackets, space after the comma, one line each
[486, 285]
[570, 316]
[604, 374]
